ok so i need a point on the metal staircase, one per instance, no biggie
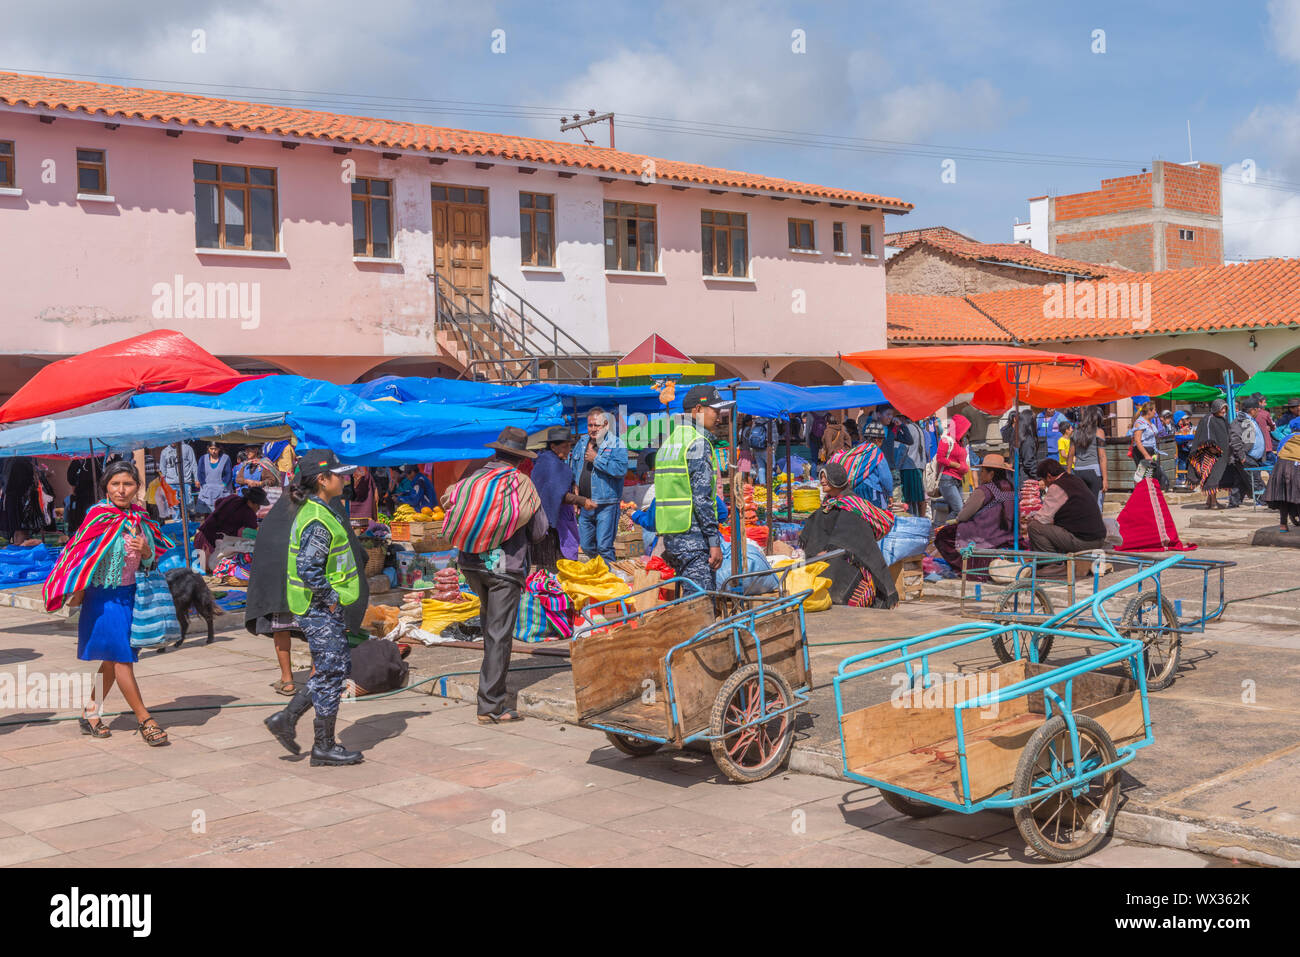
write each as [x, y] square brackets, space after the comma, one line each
[513, 344]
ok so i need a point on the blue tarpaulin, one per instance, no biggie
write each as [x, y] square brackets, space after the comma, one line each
[121, 430]
[772, 399]
[486, 395]
[362, 432]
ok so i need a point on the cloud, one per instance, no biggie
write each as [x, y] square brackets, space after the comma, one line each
[1284, 21]
[1260, 219]
[913, 113]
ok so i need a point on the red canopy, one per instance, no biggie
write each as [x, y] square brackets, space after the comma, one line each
[160, 361]
[655, 349]
[920, 379]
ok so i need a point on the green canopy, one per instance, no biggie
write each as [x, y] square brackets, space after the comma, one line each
[1277, 387]
[1193, 392]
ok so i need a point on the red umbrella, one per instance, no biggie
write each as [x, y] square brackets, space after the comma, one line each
[160, 361]
[920, 379]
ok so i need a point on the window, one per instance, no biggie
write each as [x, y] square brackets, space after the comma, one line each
[1186, 234]
[801, 234]
[235, 207]
[459, 194]
[536, 229]
[6, 164]
[92, 172]
[372, 218]
[631, 241]
[724, 241]
[867, 249]
[837, 236]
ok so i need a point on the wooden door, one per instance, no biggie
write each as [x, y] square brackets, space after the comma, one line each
[460, 240]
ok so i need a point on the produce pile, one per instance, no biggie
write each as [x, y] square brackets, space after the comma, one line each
[405, 513]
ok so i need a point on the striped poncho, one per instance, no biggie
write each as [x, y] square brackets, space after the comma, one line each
[488, 507]
[93, 555]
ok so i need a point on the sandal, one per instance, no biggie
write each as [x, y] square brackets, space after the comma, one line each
[286, 688]
[153, 735]
[96, 730]
[505, 717]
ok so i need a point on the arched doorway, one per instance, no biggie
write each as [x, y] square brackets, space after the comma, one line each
[1287, 362]
[412, 366]
[809, 372]
[252, 365]
[1208, 366]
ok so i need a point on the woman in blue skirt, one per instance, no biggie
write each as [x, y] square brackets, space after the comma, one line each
[97, 571]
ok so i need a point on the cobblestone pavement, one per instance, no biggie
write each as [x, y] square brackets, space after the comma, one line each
[436, 789]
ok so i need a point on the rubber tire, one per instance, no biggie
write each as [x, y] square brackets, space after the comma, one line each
[1002, 644]
[909, 807]
[729, 687]
[1163, 680]
[1025, 822]
[633, 746]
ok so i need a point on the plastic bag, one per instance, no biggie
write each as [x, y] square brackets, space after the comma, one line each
[437, 615]
[807, 576]
[909, 536]
[585, 582]
[153, 616]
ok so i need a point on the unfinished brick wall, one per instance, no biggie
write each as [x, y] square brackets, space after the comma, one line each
[922, 271]
[1194, 189]
[1205, 248]
[1130, 246]
[1117, 195]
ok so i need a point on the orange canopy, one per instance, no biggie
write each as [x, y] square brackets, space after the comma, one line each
[920, 379]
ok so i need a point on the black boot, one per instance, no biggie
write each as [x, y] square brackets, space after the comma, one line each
[326, 750]
[282, 724]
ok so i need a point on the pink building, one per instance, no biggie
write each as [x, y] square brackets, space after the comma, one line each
[346, 247]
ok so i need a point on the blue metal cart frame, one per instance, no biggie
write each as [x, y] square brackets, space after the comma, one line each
[1057, 686]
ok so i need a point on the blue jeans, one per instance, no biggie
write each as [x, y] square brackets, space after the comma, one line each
[950, 492]
[596, 530]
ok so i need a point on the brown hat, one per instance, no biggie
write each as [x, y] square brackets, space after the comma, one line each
[514, 442]
[994, 461]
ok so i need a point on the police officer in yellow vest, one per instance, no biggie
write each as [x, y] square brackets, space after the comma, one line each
[323, 577]
[686, 487]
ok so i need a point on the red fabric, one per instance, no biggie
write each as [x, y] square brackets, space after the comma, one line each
[920, 379]
[1146, 524]
[160, 361]
[655, 349]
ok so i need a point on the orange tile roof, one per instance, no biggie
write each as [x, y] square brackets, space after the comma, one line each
[1013, 254]
[188, 109]
[906, 237]
[938, 319]
[1255, 295]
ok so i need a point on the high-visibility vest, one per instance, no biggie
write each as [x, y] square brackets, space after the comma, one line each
[673, 508]
[340, 566]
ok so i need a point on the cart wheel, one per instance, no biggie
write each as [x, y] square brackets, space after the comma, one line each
[905, 805]
[1160, 648]
[636, 747]
[752, 753]
[1021, 600]
[1061, 826]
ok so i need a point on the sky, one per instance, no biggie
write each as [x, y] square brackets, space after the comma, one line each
[1013, 99]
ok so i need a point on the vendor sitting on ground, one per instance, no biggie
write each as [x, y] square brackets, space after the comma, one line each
[859, 578]
[233, 513]
[986, 520]
[1069, 520]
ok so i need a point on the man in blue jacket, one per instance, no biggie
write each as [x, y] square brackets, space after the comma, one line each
[599, 467]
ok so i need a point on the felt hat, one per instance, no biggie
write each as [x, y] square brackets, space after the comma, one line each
[512, 441]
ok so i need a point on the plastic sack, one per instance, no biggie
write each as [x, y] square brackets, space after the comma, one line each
[437, 615]
[808, 576]
[530, 622]
[585, 582]
[909, 536]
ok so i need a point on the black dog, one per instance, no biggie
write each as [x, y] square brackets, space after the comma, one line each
[189, 590]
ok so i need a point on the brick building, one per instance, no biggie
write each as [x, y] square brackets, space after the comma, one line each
[1167, 217]
[939, 261]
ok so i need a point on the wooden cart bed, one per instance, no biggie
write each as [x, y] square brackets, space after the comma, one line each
[610, 669]
[916, 747]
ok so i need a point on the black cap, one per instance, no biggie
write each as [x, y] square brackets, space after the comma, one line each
[837, 476]
[704, 396]
[315, 461]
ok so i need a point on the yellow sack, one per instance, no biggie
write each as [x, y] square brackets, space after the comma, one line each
[807, 499]
[589, 581]
[437, 615]
[807, 576]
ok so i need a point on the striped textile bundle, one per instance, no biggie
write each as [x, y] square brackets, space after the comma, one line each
[153, 616]
[556, 604]
[93, 541]
[880, 520]
[859, 460]
[488, 507]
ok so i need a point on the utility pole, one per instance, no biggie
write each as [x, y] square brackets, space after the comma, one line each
[592, 117]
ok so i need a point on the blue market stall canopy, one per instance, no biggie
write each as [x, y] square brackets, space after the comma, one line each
[773, 399]
[387, 430]
[486, 395]
[124, 430]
